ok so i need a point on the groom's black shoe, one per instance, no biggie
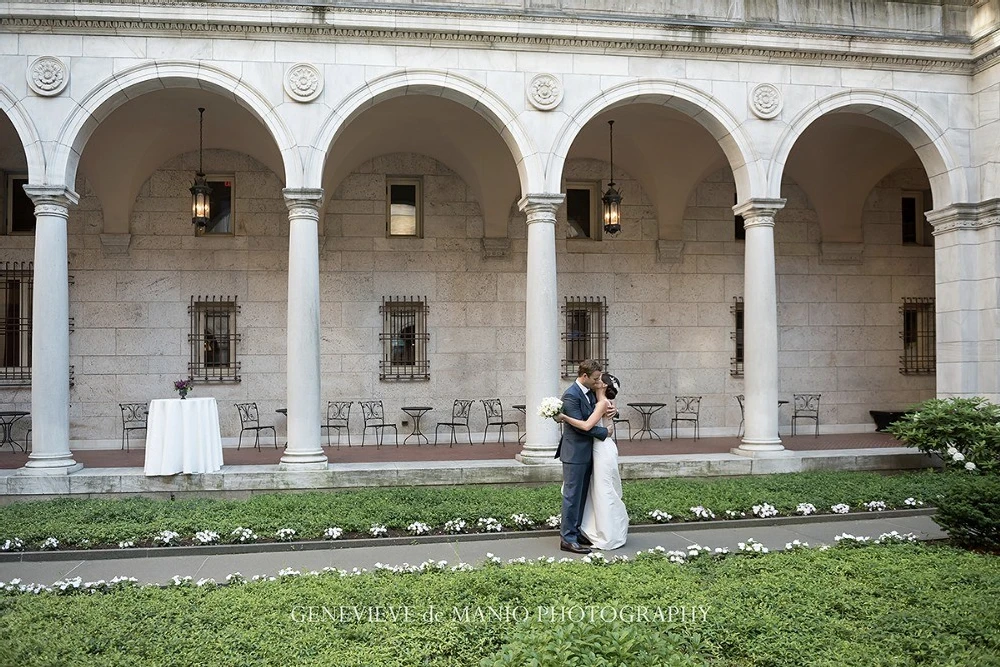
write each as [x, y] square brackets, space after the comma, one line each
[573, 547]
[584, 541]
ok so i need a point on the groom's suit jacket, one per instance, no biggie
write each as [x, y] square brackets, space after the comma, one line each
[576, 446]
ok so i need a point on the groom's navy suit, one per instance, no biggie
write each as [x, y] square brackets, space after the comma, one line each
[576, 451]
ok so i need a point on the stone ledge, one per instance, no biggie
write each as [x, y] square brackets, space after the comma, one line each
[246, 480]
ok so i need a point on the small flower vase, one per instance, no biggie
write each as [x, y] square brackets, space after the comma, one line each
[183, 393]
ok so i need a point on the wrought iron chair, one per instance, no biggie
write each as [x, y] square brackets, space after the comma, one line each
[250, 421]
[621, 420]
[338, 414]
[459, 418]
[133, 419]
[805, 406]
[743, 417]
[686, 409]
[374, 417]
[494, 417]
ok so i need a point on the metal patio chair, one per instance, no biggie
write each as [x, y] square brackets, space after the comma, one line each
[686, 409]
[374, 416]
[133, 419]
[805, 406]
[459, 419]
[250, 421]
[494, 417]
[338, 415]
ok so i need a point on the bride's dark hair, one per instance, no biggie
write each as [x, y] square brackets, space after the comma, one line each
[613, 386]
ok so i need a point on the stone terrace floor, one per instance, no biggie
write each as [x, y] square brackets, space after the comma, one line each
[268, 455]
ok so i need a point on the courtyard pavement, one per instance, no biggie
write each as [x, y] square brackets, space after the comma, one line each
[773, 533]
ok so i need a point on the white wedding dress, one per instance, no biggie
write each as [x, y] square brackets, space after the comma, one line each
[605, 519]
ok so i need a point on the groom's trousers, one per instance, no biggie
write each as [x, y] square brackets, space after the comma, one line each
[576, 482]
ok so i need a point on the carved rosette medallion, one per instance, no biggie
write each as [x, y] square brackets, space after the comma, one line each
[303, 82]
[47, 76]
[765, 101]
[545, 92]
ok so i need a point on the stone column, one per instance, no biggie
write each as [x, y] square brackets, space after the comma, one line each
[50, 453]
[541, 344]
[304, 449]
[760, 329]
[967, 299]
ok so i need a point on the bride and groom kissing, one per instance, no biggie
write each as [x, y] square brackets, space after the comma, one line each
[593, 514]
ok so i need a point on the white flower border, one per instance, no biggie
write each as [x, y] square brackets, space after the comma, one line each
[520, 521]
[750, 548]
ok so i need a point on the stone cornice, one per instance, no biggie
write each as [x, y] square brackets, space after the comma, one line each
[706, 39]
[958, 217]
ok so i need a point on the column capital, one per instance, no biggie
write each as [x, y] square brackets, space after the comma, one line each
[303, 198]
[541, 207]
[958, 217]
[759, 211]
[51, 195]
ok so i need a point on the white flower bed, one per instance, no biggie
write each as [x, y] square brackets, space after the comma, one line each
[702, 513]
[418, 528]
[50, 544]
[285, 534]
[659, 516]
[333, 533]
[489, 525]
[378, 530]
[554, 521]
[875, 506]
[454, 526]
[206, 537]
[805, 509]
[166, 538]
[840, 508]
[14, 544]
[243, 535]
[522, 521]
[765, 511]
[126, 544]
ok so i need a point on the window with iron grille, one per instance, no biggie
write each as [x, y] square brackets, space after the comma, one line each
[919, 337]
[586, 332]
[736, 361]
[404, 339]
[214, 339]
[15, 338]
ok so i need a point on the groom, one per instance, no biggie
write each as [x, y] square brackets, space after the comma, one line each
[575, 450]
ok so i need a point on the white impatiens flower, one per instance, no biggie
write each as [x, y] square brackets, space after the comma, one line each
[243, 535]
[418, 528]
[752, 546]
[840, 508]
[735, 514]
[126, 544]
[285, 534]
[554, 521]
[660, 516]
[970, 466]
[206, 537]
[522, 521]
[805, 509]
[332, 533]
[13, 544]
[702, 512]
[764, 511]
[454, 526]
[489, 525]
[50, 544]
[875, 506]
[796, 544]
[912, 502]
[167, 538]
[378, 530]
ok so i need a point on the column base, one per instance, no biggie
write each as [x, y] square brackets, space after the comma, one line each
[778, 453]
[303, 461]
[46, 468]
[537, 455]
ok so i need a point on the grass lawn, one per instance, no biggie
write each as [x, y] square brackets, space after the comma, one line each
[865, 606]
[106, 522]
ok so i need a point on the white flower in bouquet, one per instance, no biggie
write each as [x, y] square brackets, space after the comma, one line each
[550, 407]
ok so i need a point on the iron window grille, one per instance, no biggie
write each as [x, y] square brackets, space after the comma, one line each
[214, 339]
[404, 339]
[919, 336]
[18, 287]
[586, 332]
[736, 361]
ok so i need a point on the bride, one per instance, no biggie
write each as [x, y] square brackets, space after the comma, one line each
[605, 519]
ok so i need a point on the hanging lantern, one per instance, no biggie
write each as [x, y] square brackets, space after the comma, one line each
[201, 193]
[612, 199]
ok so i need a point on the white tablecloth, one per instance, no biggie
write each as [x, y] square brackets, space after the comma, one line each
[183, 436]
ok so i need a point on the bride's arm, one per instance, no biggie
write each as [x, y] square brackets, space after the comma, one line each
[594, 420]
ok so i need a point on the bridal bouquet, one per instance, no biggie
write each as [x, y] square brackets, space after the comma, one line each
[550, 407]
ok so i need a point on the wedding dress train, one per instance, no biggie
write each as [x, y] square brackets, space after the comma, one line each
[605, 519]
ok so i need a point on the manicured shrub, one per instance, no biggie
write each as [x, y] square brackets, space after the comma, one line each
[964, 432]
[970, 513]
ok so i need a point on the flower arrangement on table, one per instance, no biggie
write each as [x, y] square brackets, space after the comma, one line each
[183, 387]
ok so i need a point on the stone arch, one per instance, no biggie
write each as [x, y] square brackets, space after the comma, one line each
[946, 175]
[115, 91]
[449, 85]
[30, 142]
[696, 104]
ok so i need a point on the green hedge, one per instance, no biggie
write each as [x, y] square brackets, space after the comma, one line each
[106, 522]
[874, 606]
